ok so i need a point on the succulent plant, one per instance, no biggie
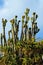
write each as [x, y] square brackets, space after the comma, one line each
[4, 21]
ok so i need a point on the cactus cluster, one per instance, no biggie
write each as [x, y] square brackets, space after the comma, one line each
[26, 33]
[23, 51]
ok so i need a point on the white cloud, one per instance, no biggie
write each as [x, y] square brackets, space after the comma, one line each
[4, 10]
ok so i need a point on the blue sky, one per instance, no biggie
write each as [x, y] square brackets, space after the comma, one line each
[1, 3]
[10, 8]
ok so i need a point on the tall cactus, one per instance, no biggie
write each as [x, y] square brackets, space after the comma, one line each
[22, 35]
[13, 37]
[26, 22]
[35, 28]
[16, 29]
[4, 21]
[25, 19]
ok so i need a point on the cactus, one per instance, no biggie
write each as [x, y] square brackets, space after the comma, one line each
[26, 22]
[25, 25]
[21, 38]
[34, 25]
[4, 25]
[12, 23]
[16, 52]
[16, 29]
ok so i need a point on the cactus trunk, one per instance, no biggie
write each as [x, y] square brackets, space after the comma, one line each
[4, 35]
